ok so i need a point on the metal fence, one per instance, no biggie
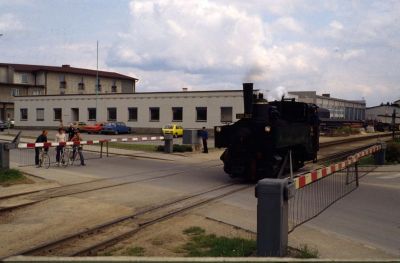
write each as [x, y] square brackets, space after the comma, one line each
[312, 199]
[26, 156]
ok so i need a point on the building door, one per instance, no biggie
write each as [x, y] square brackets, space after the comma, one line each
[75, 114]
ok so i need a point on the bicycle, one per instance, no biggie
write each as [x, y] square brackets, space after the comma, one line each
[74, 156]
[44, 159]
[64, 156]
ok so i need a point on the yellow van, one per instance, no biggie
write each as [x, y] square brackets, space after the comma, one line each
[173, 129]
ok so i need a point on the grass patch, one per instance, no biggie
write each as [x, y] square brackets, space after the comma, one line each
[135, 251]
[177, 148]
[202, 245]
[369, 160]
[12, 176]
[194, 231]
[304, 251]
[135, 147]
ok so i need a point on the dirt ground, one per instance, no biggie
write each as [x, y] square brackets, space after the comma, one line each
[165, 239]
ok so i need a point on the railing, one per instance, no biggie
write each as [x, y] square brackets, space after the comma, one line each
[319, 189]
[24, 153]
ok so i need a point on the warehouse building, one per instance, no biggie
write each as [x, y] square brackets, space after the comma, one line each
[144, 112]
[383, 113]
[338, 108]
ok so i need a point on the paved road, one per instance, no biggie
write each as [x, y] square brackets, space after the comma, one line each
[369, 215]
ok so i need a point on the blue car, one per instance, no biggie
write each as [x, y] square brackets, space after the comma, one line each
[115, 128]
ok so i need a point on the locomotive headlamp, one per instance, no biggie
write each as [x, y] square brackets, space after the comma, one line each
[267, 128]
[218, 129]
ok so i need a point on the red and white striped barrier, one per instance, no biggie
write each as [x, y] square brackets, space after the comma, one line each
[91, 142]
[315, 175]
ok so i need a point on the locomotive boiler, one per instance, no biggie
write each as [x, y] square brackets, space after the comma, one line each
[258, 144]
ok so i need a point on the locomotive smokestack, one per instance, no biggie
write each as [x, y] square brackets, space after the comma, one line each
[248, 98]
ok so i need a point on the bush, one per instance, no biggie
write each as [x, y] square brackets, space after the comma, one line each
[393, 152]
[176, 148]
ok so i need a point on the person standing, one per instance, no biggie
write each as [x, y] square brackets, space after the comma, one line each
[41, 138]
[70, 131]
[204, 138]
[60, 138]
[77, 138]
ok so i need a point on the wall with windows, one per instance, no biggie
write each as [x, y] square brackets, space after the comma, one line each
[61, 83]
[139, 110]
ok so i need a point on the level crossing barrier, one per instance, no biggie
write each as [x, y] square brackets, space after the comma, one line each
[24, 152]
[285, 204]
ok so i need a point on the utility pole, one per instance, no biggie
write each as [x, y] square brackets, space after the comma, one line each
[97, 77]
[393, 123]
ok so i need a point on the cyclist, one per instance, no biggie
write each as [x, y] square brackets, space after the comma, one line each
[77, 138]
[41, 138]
[70, 131]
[60, 138]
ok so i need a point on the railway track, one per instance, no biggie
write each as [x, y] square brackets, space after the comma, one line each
[12, 202]
[91, 240]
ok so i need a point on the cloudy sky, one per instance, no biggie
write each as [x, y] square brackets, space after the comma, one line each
[350, 49]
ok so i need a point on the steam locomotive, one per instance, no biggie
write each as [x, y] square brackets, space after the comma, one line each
[258, 145]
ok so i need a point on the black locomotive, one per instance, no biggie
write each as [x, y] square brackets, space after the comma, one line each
[257, 145]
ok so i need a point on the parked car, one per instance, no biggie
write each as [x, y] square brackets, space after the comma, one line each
[95, 128]
[116, 128]
[78, 125]
[2, 126]
[173, 129]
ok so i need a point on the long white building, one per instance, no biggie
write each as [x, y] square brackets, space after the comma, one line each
[144, 112]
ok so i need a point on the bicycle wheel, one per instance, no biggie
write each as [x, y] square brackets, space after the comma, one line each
[71, 158]
[64, 159]
[45, 162]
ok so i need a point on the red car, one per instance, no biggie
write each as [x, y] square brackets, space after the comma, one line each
[96, 128]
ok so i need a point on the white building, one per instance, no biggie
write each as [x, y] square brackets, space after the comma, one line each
[383, 113]
[338, 108]
[144, 112]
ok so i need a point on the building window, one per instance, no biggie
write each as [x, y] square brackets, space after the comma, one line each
[36, 92]
[57, 114]
[81, 85]
[112, 114]
[24, 78]
[226, 114]
[98, 86]
[14, 92]
[201, 114]
[24, 114]
[114, 86]
[63, 83]
[40, 114]
[91, 114]
[177, 114]
[132, 114]
[154, 114]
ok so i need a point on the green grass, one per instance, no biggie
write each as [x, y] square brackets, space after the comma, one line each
[135, 251]
[135, 147]
[369, 160]
[306, 252]
[202, 245]
[12, 176]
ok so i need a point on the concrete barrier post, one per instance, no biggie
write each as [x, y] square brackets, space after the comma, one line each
[168, 143]
[379, 157]
[272, 216]
[4, 156]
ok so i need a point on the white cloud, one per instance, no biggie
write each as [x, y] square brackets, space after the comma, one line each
[9, 22]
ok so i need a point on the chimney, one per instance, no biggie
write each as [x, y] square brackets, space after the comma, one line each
[65, 66]
[326, 95]
[184, 89]
[248, 98]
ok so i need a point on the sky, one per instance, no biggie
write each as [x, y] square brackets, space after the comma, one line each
[350, 49]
